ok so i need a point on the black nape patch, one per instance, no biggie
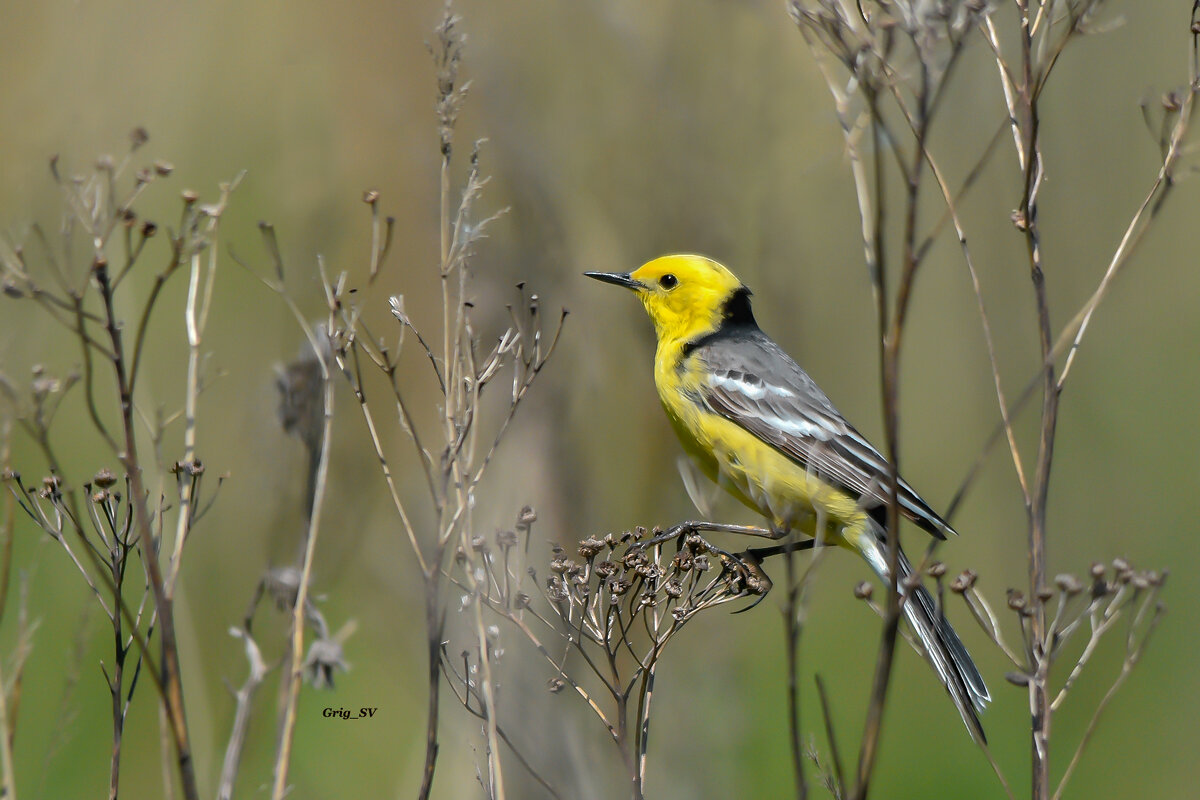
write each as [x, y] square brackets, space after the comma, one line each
[736, 320]
[737, 309]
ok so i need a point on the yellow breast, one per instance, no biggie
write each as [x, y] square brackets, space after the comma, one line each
[760, 476]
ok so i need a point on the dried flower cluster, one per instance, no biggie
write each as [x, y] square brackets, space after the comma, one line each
[602, 594]
[617, 601]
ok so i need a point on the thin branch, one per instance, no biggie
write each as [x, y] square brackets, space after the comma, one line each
[284, 751]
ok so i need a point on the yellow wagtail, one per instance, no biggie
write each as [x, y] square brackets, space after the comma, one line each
[759, 426]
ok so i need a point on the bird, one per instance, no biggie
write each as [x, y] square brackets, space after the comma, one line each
[756, 424]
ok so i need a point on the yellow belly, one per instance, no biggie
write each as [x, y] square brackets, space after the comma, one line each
[764, 479]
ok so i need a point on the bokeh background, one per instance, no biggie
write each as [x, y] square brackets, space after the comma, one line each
[616, 131]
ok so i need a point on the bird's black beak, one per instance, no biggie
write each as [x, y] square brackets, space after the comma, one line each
[619, 278]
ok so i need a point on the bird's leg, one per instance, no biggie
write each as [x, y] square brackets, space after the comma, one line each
[760, 554]
[684, 528]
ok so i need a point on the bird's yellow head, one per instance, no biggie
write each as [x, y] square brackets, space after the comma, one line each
[685, 295]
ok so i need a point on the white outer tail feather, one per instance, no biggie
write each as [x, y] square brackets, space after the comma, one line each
[943, 649]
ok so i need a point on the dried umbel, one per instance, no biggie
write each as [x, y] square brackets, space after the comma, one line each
[324, 658]
[604, 596]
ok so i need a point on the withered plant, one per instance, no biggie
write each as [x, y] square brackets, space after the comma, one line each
[888, 66]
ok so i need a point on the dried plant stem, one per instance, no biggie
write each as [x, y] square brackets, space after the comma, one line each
[199, 300]
[171, 674]
[388, 478]
[839, 775]
[793, 625]
[241, 718]
[643, 735]
[1133, 653]
[1026, 130]
[294, 668]
[8, 776]
[951, 213]
[1164, 182]
[465, 699]
[164, 748]
[434, 622]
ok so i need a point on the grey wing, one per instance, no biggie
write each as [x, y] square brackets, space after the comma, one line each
[752, 382]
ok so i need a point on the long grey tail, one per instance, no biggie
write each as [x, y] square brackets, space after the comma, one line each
[943, 649]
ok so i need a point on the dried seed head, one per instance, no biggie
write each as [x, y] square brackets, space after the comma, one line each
[283, 584]
[1069, 584]
[734, 582]
[555, 685]
[191, 468]
[936, 569]
[521, 601]
[964, 582]
[618, 586]
[650, 571]
[526, 517]
[44, 387]
[633, 558]
[1045, 593]
[1097, 569]
[606, 568]
[1017, 678]
[371, 197]
[323, 660]
[673, 588]
[460, 556]
[479, 544]
[589, 547]
[163, 168]
[556, 590]
[1016, 600]
[506, 538]
[51, 486]
[863, 590]
[104, 478]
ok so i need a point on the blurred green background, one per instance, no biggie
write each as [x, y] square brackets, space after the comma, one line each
[616, 131]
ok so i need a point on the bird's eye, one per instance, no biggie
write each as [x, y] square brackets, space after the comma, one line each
[668, 281]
